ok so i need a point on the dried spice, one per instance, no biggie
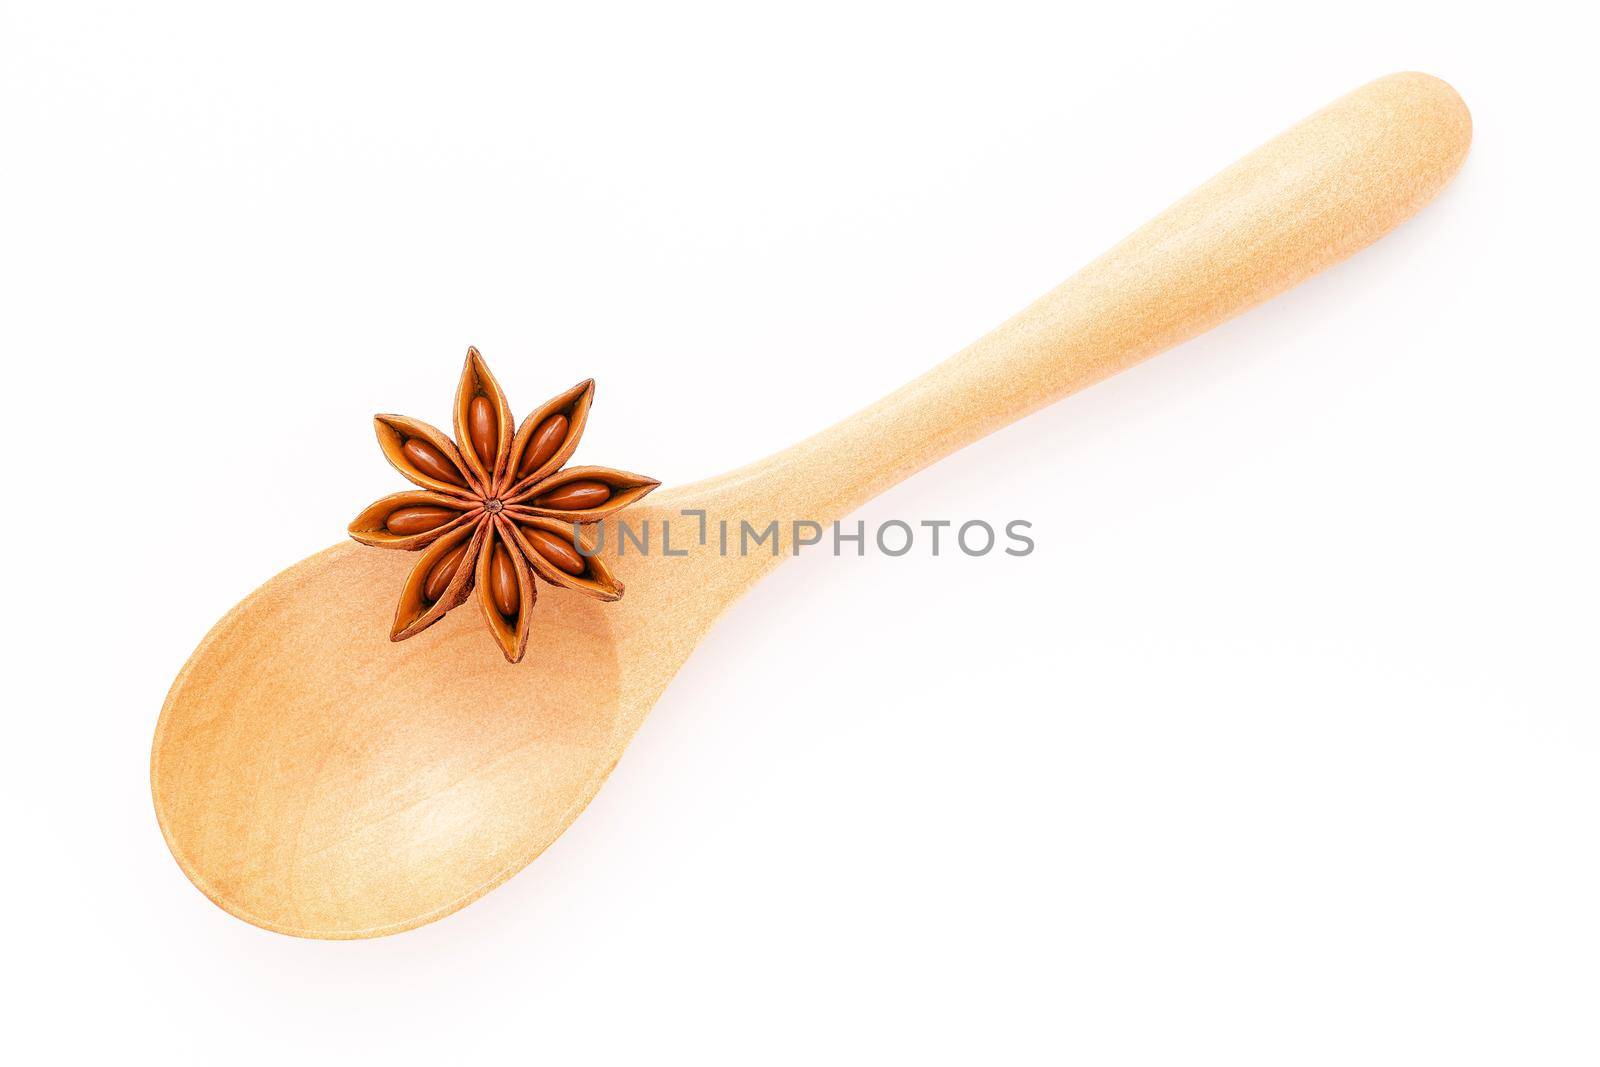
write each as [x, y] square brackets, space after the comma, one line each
[495, 509]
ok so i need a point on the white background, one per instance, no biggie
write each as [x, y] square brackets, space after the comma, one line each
[1280, 749]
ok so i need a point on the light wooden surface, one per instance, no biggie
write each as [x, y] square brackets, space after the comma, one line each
[315, 779]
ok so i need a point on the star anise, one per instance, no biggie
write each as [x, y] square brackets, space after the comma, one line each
[495, 508]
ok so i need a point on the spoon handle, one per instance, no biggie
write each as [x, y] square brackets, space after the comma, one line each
[1305, 200]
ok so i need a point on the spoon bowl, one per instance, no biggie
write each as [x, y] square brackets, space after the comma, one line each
[352, 786]
[315, 779]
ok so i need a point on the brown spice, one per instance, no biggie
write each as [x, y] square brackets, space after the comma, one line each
[483, 429]
[502, 505]
[432, 462]
[440, 573]
[417, 520]
[504, 576]
[543, 444]
[576, 496]
[561, 553]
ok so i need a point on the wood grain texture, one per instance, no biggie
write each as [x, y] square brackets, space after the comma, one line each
[315, 779]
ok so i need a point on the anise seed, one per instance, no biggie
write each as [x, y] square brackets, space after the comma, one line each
[439, 577]
[430, 461]
[504, 584]
[576, 496]
[406, 521]
[559, 552]
[484, 429]
[543, 444]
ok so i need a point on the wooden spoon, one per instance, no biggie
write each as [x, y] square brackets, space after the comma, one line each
[315, 779]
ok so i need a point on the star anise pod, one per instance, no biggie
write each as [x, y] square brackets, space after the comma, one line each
[495, 508]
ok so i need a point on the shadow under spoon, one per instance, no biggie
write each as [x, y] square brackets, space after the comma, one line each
[315, 779]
